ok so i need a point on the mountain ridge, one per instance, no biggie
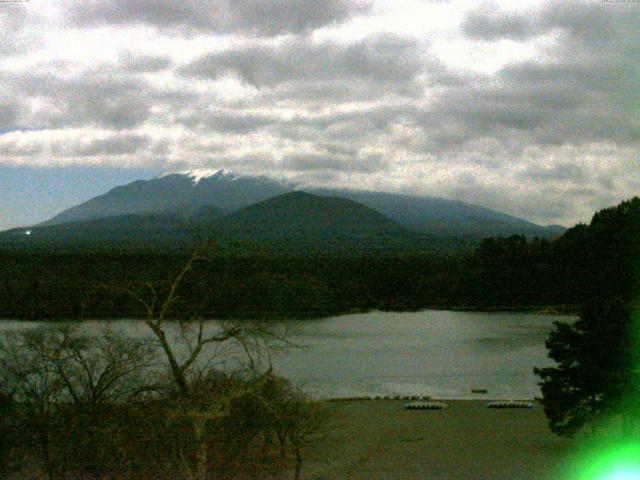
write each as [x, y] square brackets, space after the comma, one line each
[228, 191]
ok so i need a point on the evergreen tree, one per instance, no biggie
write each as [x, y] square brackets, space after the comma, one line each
[596, 368]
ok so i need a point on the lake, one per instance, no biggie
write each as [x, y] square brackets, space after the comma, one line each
[443, 354]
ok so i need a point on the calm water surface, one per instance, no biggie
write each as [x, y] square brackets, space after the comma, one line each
[438, 353]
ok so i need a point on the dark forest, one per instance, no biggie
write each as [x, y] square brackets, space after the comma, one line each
[588, 262]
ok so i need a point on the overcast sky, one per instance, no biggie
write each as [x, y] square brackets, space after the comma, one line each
[531, 108]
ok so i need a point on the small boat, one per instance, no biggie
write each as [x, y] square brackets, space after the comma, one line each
[478, 390]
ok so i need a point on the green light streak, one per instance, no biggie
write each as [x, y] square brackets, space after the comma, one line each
[610, 456]
[616, 463]
[622, 475]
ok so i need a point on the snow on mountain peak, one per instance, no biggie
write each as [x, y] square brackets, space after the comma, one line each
[199, 174]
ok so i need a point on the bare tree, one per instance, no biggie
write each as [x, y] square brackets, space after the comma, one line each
[53, 373]
[196, 401]
[50, 366]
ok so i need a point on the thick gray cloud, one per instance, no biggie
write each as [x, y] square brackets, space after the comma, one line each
[379, 59]
[118, 144]
[260, 17]
[487, 24]
[333, 160]
[137, 63]
[225, 121]
[562, 172]
[98, 97]
[592, 21]
[271, 17]
[584, 91]
[8, 115]
[113, 144]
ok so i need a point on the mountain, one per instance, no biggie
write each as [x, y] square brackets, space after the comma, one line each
[442, 217]
[294, 223]
[304, 215]
[205, 214]
[298, 223]
[190, 194]
[185, 192]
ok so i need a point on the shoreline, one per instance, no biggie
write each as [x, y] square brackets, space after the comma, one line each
[424, 398]
[551, 310]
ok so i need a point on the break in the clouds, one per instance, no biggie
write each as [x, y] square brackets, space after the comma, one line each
[531, 109]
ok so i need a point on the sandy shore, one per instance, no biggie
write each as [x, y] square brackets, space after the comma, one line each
[381, 440]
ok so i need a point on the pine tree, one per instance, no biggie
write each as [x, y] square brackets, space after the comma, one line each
[596, 368]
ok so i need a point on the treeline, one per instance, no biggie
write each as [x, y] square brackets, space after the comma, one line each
[587, 262]
[77, 286]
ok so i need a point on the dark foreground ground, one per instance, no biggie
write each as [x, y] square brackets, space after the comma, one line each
[381, 440]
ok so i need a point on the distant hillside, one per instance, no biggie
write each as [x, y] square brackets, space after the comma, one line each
[206, 214]
[441, 217]
[300, 214]
[185, 194]
[299, 223]
[153, 231]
